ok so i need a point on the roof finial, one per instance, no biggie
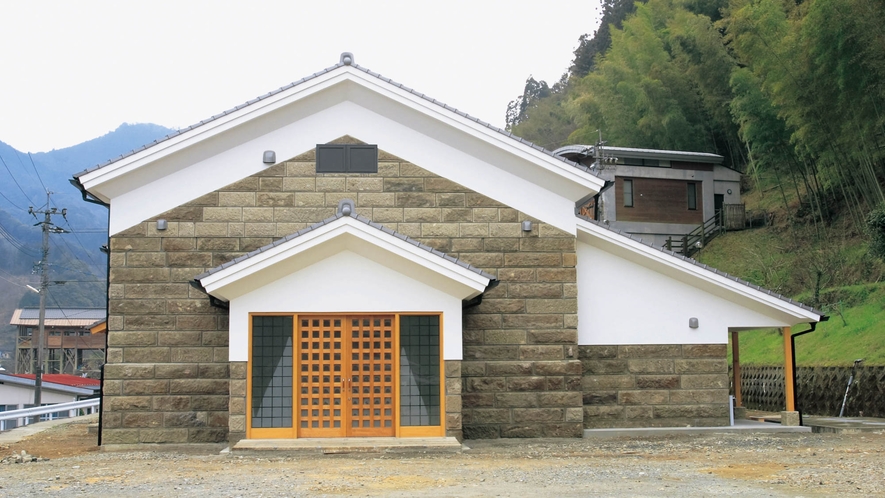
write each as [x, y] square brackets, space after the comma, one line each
[346, 58]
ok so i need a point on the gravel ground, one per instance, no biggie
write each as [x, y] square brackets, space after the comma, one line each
[752, 465]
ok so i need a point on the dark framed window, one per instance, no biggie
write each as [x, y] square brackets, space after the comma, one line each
[628, 193]
[692, 196]
[420, 383]
[347, 158]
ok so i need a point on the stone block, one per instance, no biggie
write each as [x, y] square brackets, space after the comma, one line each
[643, 397]
[143, 387]
[551, 305]
[132, 338]
[491, 352]
[403, 184]
[600, 398]
[561, 399]
[481, 432]
[655, 351]
[485, 384]
[539, 415]
[214, 371]
[144, 260]
[532, 322]
[518, 400]
[603, 412]
[119, 436]
[179, 338]
[196, 322]
[486, 416]
[162, 436]
[702, 366]
[597, 352]
[199, 386]
[537, 352]
[520, 384]
[533, 259]
[633, 412]
[657, 381]
[240, 199]
[238, 369]
[207, 434]
[535, 290]
[546, 244]
[185, 419]
[698, 396]
[506, 368]
[423, 215]
[565, 336]
[134, 275]
[128, 403]
[270, 184]
[600, 367]
[189, 306]
[454, 386]
[477, 400]
[134, 244]
[192, 355]
[237, 387]
[237, 406]
[142, 419]
[176, 370]
[704, 350]
[453, 421]
[112, 387]
[650, 366]
[171, 403]
[216, 337]
[473, 368]
[504, 336]
[278, 199]
[210, 403]
[574, 414]
[711, 381]
[128, 371]
[148, 322]
[146, 355]
[453, 404]
[556, 274]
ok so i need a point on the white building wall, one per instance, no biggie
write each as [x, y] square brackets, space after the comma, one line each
[623, 302]
[345, 282]
[12, 394]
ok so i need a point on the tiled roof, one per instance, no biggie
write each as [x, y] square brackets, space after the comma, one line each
[356, 217]
[59, 317]
[706, 267]
[65, 380]
[628, 151]
[320, 73]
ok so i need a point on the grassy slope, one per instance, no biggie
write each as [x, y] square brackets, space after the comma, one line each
[785, 257]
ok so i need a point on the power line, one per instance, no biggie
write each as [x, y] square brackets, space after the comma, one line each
[76, 238]
[38, 173]
[16, 181]
[11, 282]
[10, 201]
[15, 243]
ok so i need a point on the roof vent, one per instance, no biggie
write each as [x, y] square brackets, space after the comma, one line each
[345, 207]
[347, 58]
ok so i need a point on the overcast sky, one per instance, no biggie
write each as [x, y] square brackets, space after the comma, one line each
[73, 71]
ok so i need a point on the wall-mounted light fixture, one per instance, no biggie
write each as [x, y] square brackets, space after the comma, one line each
[270, 157]
[527, 226]
[692, 323]
[162, 224]
[729, 191]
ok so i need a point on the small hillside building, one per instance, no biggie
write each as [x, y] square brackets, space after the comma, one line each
[347, 257]
[17, 392]
[70, 346]
[660, 194]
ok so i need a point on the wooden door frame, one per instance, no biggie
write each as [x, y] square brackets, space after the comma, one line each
[400, 431]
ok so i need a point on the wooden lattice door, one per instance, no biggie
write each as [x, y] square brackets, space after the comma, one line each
[345, 376]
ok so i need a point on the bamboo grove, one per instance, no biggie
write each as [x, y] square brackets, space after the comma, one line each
[786, 88]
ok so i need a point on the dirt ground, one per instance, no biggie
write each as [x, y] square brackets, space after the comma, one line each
[750, 465]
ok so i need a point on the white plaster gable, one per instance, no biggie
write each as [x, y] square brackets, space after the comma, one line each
[630, 293]
[345, 100]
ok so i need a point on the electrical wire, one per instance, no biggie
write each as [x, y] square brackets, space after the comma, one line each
[38, 173]
[16, 181]
[15, 243]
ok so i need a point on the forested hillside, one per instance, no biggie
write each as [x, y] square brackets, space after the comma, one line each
[790, 92]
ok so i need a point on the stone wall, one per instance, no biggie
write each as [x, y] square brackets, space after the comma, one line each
[655, 385]
[168, 378]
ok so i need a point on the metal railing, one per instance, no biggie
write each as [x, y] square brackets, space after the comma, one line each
[695, 240]
[73, 409]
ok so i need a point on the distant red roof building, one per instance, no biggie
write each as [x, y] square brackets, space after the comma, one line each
[66, 380]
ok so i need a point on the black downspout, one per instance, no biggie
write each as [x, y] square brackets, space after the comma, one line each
[793, 362]
[107, 304]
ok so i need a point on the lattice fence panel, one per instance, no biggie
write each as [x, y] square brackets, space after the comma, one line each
[820, 390]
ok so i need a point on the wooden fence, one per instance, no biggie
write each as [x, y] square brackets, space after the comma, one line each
[820, 390]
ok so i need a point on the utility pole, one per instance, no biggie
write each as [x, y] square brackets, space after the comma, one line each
[47, 227]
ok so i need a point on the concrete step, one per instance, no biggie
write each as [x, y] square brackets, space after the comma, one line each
[328, 446]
